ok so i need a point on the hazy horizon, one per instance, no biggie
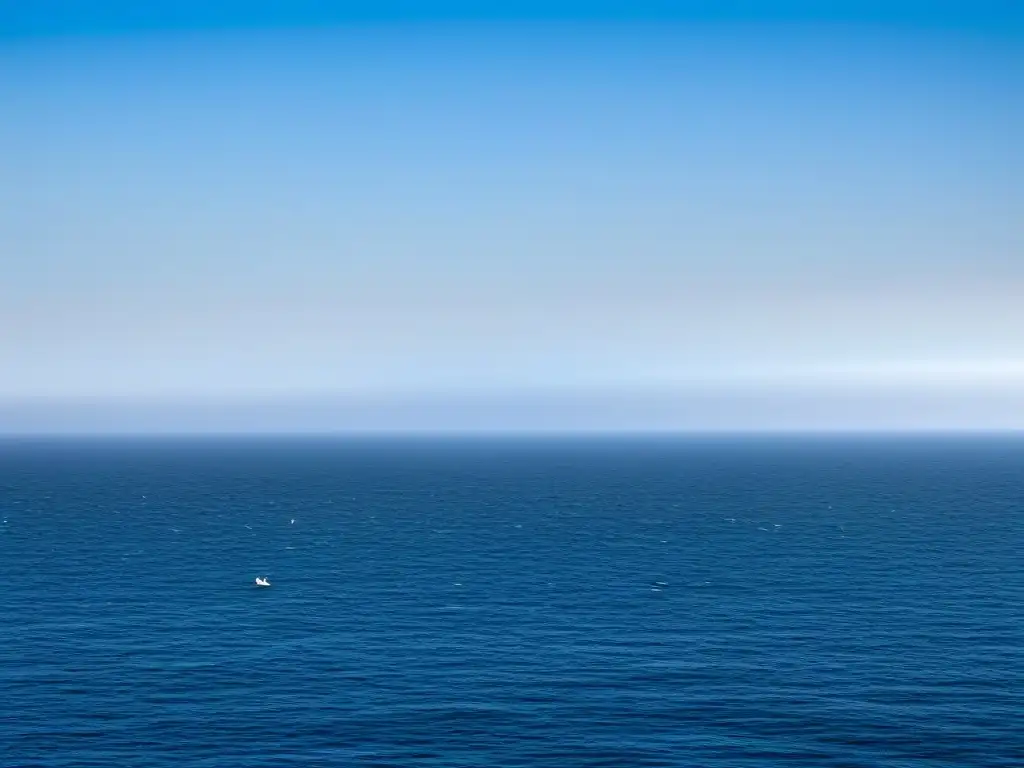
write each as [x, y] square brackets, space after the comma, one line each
[782, 220]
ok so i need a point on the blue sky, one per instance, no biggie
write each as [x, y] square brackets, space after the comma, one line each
[424, 215]
[47, 17]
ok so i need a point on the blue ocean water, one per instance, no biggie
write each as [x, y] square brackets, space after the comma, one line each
[484, 602]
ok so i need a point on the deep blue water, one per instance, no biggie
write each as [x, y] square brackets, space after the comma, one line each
[704, 602]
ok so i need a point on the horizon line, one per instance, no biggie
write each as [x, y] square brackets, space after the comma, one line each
[525, 433]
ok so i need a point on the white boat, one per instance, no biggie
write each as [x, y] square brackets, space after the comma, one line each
[261, 582]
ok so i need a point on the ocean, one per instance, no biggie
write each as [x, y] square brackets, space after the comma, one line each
[470, 602]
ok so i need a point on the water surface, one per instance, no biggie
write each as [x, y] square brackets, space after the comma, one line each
[481, 602]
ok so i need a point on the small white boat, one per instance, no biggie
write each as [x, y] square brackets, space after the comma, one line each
[261, 582]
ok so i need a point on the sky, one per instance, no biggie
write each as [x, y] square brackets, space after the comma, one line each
[261, 216]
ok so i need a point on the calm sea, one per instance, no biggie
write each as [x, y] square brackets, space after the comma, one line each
[481, 602]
